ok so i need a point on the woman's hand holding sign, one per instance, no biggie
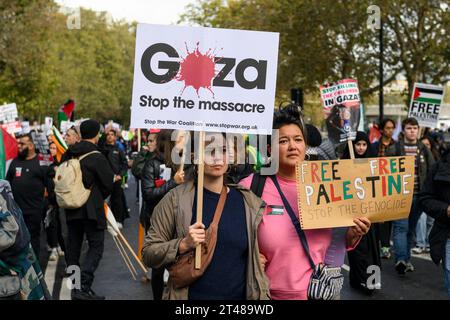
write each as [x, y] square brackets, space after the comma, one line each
[196, 236]
[361, 227]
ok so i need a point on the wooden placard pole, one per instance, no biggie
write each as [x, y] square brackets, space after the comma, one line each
[350, 148]
[141, 231]
[201, 171]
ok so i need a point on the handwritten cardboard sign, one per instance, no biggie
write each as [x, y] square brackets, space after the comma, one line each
[332, 193]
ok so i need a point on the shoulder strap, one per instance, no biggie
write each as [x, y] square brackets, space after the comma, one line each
[295, 221]
[220, 206]
[258, 182]
[87, 154]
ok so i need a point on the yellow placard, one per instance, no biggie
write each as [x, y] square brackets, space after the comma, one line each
[332, 193]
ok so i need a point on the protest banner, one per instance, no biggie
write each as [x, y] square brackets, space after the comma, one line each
[426, 104]
[48, 124]
[8, 113]
[41, 142]
[12, 127]
[66, 125]
[341, 106]
[332, 193]
[204, 79]
[215, 80]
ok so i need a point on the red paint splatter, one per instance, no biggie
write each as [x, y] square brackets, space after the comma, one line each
[197, 70]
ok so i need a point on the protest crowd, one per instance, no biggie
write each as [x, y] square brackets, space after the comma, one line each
[251, 260]
[242, 200]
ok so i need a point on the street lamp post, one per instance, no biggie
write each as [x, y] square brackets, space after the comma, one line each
[381, 73]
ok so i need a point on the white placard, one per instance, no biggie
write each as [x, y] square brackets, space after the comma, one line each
[48, 122]
[25, 127]
[66, 125]
[8, 113]
[194, 78]
[13, 127]
[426, 104]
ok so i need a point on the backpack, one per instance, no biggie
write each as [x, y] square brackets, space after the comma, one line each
[14, 236]
[258, 183]
[69, 189]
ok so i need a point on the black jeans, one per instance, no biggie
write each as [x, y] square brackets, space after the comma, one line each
[33, 222]
[117, 204]
[95, 237]
[158, 283]
[384, 233]
[54, 231]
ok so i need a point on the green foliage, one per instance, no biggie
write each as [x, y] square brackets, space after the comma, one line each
[43, 63]
[324, 41]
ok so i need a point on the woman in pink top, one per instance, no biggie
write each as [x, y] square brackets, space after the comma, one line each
[286, 263]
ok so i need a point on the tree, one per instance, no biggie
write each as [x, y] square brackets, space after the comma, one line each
[323, 41]
[43, 63]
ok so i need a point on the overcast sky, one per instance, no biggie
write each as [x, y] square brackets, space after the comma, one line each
[149, 11]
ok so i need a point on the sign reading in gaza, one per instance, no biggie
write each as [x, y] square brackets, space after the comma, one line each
[206, 79]
[333, 193]
[426, 104]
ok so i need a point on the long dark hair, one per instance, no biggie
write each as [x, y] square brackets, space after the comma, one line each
[164, 146]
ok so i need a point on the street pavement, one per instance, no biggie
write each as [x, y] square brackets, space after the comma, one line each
[115, 281]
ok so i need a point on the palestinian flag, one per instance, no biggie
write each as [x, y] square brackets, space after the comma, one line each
[61, 145]
[8, 150]
[66, 111]
[275, 210]
[428, 93]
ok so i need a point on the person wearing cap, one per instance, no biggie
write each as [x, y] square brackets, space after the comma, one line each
[90, 219]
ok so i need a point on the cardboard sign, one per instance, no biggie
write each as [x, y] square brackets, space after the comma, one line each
[332, 193]
[204, 79]
[341, 106]
[8, 113]
[426, 104]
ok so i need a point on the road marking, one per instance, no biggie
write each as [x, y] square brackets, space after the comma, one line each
[422, 256]
[346, 267]
[50, 274]
[65, 291]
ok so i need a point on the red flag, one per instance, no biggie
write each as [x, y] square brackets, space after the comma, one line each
[374, 134]
[9, 145]
[65, 113]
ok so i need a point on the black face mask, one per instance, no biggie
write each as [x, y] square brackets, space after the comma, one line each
[23, 154]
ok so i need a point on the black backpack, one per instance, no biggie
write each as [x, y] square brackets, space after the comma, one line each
[258, 182]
